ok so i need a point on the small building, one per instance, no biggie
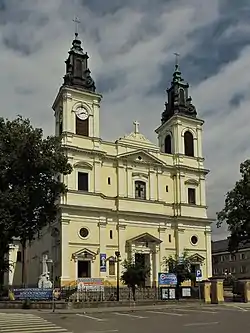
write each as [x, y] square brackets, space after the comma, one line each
[226, 263]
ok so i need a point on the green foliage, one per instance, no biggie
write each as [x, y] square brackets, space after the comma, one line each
[181, 267]
[29, 186]
[236, 213]
[134, 275]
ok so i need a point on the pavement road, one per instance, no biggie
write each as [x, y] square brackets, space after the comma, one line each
[178, 319]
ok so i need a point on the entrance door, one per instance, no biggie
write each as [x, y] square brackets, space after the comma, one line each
[144, 260]
[84, 268]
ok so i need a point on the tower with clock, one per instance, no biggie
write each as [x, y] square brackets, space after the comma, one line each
[77, 103]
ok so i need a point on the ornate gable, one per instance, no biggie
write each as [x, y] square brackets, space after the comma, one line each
[84, 254]
[137, 139]
[141, 156]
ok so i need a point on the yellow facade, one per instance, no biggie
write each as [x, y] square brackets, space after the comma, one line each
[109, 216]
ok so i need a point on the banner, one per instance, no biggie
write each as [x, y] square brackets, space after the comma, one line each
[167, 279]
[90, 284]
[103, 262]
[36, 294]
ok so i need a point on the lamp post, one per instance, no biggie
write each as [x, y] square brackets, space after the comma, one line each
[50, 261]
[117, 254]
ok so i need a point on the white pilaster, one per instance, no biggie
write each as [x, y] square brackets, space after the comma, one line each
[102, 243]
[152, 185]
[209, 272]
[97, 176]
[65, 257]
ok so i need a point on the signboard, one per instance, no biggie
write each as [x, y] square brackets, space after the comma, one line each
[186, 292]
[167, 279]
[33, 294]
[198, 275]
[103, 262]
[90, 284]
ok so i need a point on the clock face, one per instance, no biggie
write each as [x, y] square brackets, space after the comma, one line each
[82, 113]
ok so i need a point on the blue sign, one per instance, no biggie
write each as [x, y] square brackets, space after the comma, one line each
[166, 279]
[198, 275]
[37, 294]
[103, 262]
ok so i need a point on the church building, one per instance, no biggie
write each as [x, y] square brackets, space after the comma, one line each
[127, 199]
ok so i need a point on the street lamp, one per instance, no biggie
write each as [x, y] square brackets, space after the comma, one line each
[50, 261]
[117, 254]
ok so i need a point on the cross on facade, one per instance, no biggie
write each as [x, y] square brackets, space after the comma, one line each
[136, 124]
[77, 21]
[177, 55]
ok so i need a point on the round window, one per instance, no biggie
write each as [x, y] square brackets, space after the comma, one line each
[194, 240]
[84, 232]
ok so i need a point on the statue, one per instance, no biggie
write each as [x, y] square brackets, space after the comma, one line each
[44, 279]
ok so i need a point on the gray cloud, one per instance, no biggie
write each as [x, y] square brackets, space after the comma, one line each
[131, 45]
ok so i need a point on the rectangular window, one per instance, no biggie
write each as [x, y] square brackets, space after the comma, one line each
[82, 127]
[83, 181]
[243, 256]
[243, 269]
[109, 181]
[191, 196]
[232, 257]
[166, 188]
[169, 238]
[111, 234]
[140, 190]
[19, 256]
[111, 267]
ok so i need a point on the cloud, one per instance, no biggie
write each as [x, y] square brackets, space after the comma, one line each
[131, 46]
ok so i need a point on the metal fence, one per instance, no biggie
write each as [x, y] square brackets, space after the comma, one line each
[107, 294]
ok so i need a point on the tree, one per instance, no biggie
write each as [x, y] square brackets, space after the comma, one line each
[236, 212]
[181, 267]
[29, 185]
[134, 275]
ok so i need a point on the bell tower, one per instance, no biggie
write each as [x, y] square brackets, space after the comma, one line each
[77, 104]
[180, 130]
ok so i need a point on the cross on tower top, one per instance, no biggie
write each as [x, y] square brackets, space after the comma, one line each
[77, 21]
[177, 56]
[136, 124]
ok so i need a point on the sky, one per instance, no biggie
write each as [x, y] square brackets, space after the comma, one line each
[131, 45]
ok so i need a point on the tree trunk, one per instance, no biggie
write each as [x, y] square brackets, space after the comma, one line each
[24, 275]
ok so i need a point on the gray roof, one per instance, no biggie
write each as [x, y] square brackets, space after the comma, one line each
[222, 246]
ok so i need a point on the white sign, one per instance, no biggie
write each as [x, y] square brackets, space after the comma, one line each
[198, 275]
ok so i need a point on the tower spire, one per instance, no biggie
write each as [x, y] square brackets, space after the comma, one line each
[78, 74]
[179, 102]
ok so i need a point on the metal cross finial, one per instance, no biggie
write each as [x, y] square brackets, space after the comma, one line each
[77, 21]
[136, 124]
[177, 55]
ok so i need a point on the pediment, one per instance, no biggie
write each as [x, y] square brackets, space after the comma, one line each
[192, 182]
[196, 258]
[141, 156]
[84, 254]
[144, 238]
[83, 164]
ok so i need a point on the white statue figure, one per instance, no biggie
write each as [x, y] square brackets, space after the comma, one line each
[44, 281]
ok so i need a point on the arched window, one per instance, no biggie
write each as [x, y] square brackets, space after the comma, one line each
[168, 145]
[140, 190]
[78, 68]
[189, 143]
[182, 97]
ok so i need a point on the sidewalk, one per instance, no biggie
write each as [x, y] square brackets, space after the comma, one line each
[133, 307]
